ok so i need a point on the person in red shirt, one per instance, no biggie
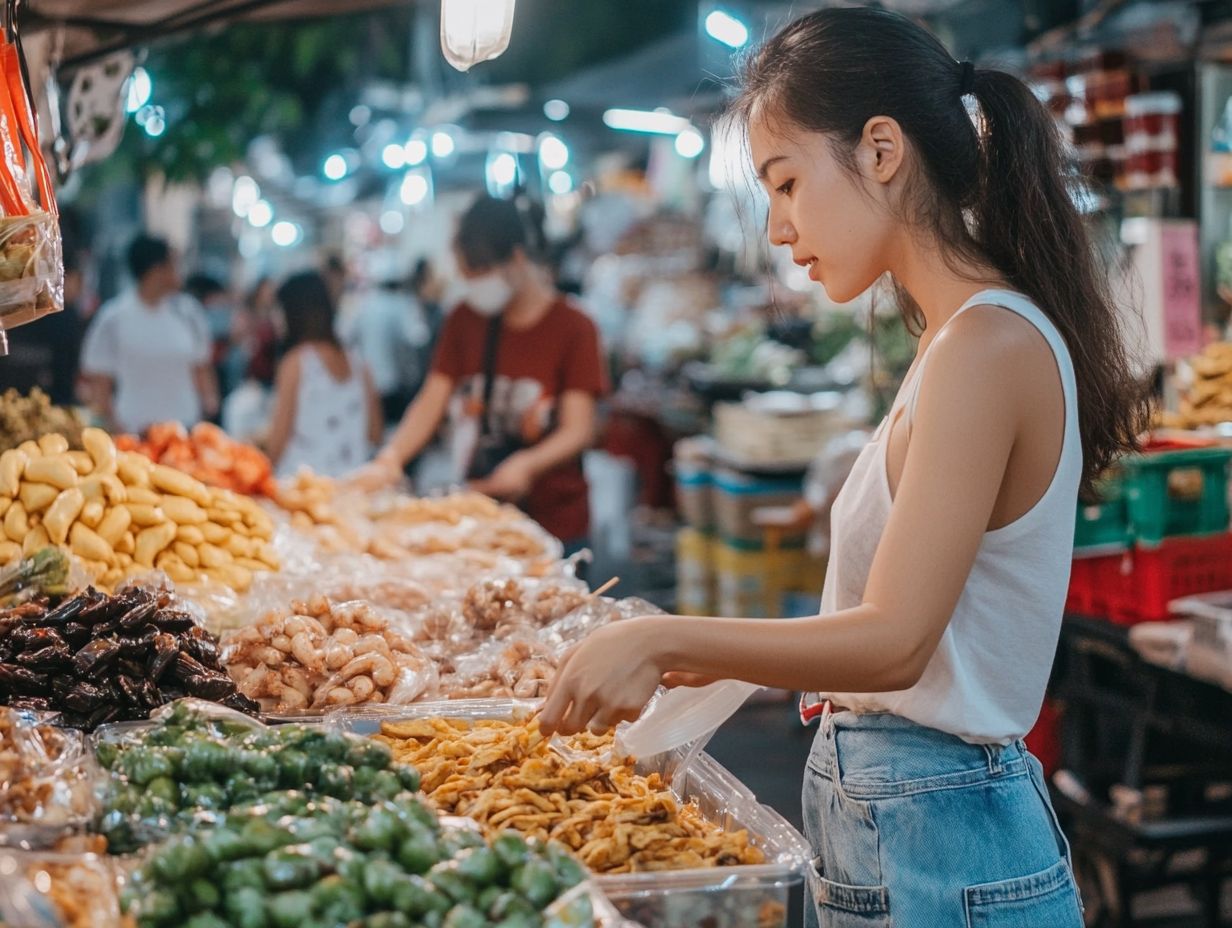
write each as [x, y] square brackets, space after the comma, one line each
[515, 379]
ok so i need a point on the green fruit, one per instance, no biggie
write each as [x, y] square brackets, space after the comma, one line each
[511, 848]
[290, 910]
[245, 907]
[480, 865]
[418, 853]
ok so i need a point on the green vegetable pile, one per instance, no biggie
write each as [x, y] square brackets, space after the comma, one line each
[324, 863]
[190, 763]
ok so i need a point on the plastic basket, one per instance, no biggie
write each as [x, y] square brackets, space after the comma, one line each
[1137, 586]
[1103, 527]
[1176, 493]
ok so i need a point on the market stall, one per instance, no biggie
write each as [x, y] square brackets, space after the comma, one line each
[156, 626]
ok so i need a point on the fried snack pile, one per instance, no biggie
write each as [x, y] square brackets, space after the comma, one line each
[208, 454]
[1209, 400]
[505, 775]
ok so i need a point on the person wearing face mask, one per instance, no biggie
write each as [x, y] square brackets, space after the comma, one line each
[515, 378]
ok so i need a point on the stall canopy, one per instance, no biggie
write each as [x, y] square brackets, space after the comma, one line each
[94, 28]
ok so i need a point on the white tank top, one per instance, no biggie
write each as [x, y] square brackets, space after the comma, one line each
[330, 433]
[985, 682]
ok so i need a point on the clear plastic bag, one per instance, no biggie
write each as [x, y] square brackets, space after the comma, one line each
[31, 256]
[684, 716]
[47, 779]
[317, 655]
[50, 890]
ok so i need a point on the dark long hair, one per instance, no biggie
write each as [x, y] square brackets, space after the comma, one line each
[309, 310]
[995, 191]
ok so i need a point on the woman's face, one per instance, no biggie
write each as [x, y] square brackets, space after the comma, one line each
[835, 222]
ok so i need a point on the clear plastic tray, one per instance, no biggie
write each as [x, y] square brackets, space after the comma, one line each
[718, 897]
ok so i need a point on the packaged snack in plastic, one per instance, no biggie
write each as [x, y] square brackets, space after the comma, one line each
[196, 757]
[46, 778]
[52, 890]
[31, 258]
[318, 655]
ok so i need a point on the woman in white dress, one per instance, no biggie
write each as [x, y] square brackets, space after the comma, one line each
[327, 416]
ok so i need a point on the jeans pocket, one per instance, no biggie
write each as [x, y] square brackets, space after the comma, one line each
[838, 905]
[1048, 898]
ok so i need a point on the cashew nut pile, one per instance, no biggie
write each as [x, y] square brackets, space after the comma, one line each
[123, 514]
[321, 656]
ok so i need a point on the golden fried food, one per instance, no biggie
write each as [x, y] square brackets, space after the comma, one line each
[506, 775]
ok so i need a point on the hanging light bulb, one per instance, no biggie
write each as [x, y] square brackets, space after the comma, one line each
[475, 30]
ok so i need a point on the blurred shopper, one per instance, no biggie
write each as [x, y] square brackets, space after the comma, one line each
[220, 317]
[326, 413]
[254, 335]
[147, 352]
[428, 287]
[517, 373]
[388, 330]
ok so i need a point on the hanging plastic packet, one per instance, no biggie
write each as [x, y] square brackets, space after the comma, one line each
[31, 256]
[683, 716]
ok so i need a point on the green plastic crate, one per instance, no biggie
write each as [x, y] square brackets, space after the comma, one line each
[1158, 509]
[1103, 527]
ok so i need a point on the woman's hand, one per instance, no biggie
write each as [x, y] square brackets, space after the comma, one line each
[377, 474]
[511, 480]
[608, 678]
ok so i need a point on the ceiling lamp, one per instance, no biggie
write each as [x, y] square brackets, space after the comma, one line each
[475, 30]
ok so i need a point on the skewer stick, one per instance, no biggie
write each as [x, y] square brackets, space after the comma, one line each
[603, 589]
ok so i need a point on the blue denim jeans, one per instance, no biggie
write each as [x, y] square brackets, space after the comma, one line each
[914, 828]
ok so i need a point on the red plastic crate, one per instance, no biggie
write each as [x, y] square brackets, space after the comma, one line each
[1138, 585]
[1044, 739]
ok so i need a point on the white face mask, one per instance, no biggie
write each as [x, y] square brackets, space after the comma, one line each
[489, 294]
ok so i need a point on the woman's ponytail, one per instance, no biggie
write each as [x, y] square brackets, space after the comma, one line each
[995, 190]
[1027, 225]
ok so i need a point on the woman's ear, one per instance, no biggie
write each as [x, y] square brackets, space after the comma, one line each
[881, 149]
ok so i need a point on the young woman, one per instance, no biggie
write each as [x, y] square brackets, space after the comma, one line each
[327, 416]
[516, 376]
[951, 540]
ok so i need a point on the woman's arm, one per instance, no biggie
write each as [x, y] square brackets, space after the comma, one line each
[965, 426]
[376, 415]
[575, 433]
[286, 399]
[419, 423]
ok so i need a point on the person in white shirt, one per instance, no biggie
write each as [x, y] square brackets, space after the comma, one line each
[147, 354]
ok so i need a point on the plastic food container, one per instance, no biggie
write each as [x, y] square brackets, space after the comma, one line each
[715, 897]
